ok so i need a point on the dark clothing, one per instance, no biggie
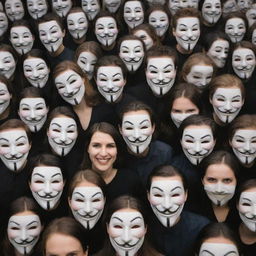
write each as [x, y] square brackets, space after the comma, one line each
[66, 54]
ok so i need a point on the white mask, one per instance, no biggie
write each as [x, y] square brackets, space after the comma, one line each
[137, 131]
[37, 8]
[200, 75]
[77, 24]
[230, 6]
[5, 97]
[23, 232]
[22, 39]
[243, 5]
[14, 9]
[112, 5]
[143, 35]
[46, 186]
[189, 4]
[70, 86]
[36, 71]
[227, 102]
[62, 135]
[126, 232]
[167, 198]
[219, 193]
[91, 8]
[159, 21]
[244, 145]
[218, 52]
[251, 16]
[218, 249]
[7, 64]
[211, 11]
[106, 30]
[110, 82]
[87, 204]
[197, 143]
[132, 54]
[243, 62]
[247, 209]
[86, 61]
[33, 112]
[14, 148]
[3, 23]
[133, 13]
[174, 6]
[178, 118]
[61, 7]
[235, 29]
[51, 35]
[254, 37]
[160, 74]
[187, 32]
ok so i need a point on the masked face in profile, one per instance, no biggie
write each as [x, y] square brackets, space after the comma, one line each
[46, 186]
[33, 112]
[246, 209]
[110, 82]
[187, 32]
[36, 71]
[70, 86]
[137, 130]
[106, 30]
[5, 97]
[91, 8]
[167, 197]
[61, 7]
[229, 6]
[37, 8]
[227, 103]
[132, 54]
[160, 74]
[112, 5]
[251, 15]
[243, 62]
[145, 37]
[51, 35]
[133, 13]
[77, 24]
[87, 204]
[14, 148]
[243, 144]
[23, 232]
[159, 21]
[174, 6]
[14, 9]
[211, 11]
[235, 29]
[62, 134]
[3, 23]
[86, 61]
[126, 230]
[197, 142]
[218, 249]
[7, 64]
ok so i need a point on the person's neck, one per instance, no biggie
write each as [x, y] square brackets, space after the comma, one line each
[107, 175]
[58, 52]
[81, 106]
[246, 235]
[5, 114]
[108, 48]
[217, 120]
[80, 40]
[182, 50]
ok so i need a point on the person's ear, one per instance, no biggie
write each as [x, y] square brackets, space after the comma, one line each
[153, 128]
[69, 202]
[120, 129]
[186, 195]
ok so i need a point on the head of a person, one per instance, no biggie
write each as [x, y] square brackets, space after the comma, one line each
[189, 4]
[87, 197]
[36, 69]
[173, 6]
[217, 45]
[46, 180]
[217, 239]
[137, 125]
[110, 77]
[15, 143]
[243, 59]
[252, 33]
[186, 28]
[61, 7]
[103, 148]
[161, 69]
[242, 139]
[211, 11]
[86, 56]
[37, 8]
[199, 70]
[131, 50]
[62, 131]
[24, 227]
[219, 176]
[126, 225]
[64, 236]
[197, 137]
[14, 9]
[251, 15]
[7, 96]
[226, 94]
[112, 5]
[229, 6]
[185, 101]
[246, 200]
[3, 23]
[167, 194]
[33, 108]
[91, 8]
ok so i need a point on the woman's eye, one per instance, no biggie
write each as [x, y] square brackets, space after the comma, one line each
[227, 181]
[189, 141]
[79, 200]
[196, 77]
[135, 226]
[39, 182]
[211, 180]
[118, 226]
[55, 130]
[246, 204]
[20, 144]
[175, 195]
[220, 99]
[14, 228]
[96, 200]
[55, 181]
[205, 141]
[157, 195]
[32, 227]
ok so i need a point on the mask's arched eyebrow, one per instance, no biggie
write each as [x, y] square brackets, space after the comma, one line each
[138, 217]
[96, 194]
[157, 188]
[118, 218]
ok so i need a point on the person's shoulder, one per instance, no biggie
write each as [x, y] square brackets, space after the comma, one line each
[194, 220]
